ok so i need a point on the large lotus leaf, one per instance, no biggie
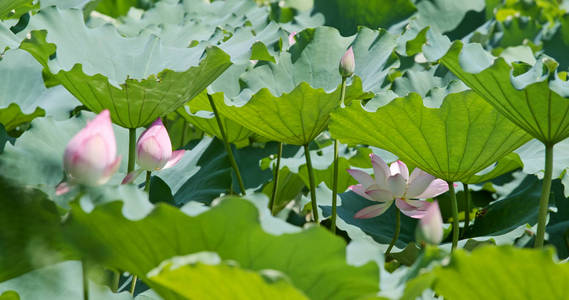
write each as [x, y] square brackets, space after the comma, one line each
[530, 100]
[62, 281]
[518, 208]
[315, 57]
[348, 15]
[232, 230]
[21, 85]
[205, 276]
[293, 118]
[30, 231]
[203, 118]
[446, 15]
[137, 79]
[14, 8]
[523, 274]
[454, 142]
[7, 38]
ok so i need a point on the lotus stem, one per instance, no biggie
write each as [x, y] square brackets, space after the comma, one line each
[276, 179]
[133, 284]
[395, 234]
[147, 182]
[312, 185]
[131, 149]
[227, 145]
[115, 281]
[454, 208]
[467, 198]
[544, 200]
[335, 180]
[85, 280]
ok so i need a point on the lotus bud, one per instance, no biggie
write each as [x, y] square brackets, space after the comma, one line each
[347, 63]
[154, 149]
[291, 39]
[90, 158]
[431, 225]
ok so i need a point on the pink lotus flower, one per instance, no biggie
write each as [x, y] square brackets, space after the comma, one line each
[154, 151]
[394, 184]
[291, 39]
[431, 225]
[347, 63]
[90, 158]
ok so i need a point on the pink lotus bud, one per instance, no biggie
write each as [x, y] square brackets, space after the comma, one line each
[90, 156]
[348, 63]
[154, 149]
[291, 39]
[431, 225]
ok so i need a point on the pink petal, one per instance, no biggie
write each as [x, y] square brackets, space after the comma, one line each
[348, 63]
[361, 177]
[413, 208]
[130, 177]
[400, 167]
[154, 148]
[62, 188]
[397, 185]
[418, 183]
[380, 170]
[431, 225]
[91, 151]
[437, 187]
[360, 190]
[291, 40]
[372, 210]
[380, 195]
[176, 157]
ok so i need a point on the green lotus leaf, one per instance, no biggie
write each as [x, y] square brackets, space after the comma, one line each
[314, 59]
[232, 230]
[137, 79]
[293, 118]
[30, 232]
[62, 281]
[204, 276]
[467, 272]
[203, 118]
[21, 86]
[347, 15]
[530, 100]
[14, 8]
[454, 142]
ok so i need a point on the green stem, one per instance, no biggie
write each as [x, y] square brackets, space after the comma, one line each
[467, 198]
[544, 200]
[335, 180]
[276, 179]
[131, 149]
[130, 168]
[115, 282]
[133, 284]
[454, 208]
[85, 280]
[227, 146]
[312, 185]
[396, 234]
[147, 182]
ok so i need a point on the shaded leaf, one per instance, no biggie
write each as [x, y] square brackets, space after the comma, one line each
[233, 232]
